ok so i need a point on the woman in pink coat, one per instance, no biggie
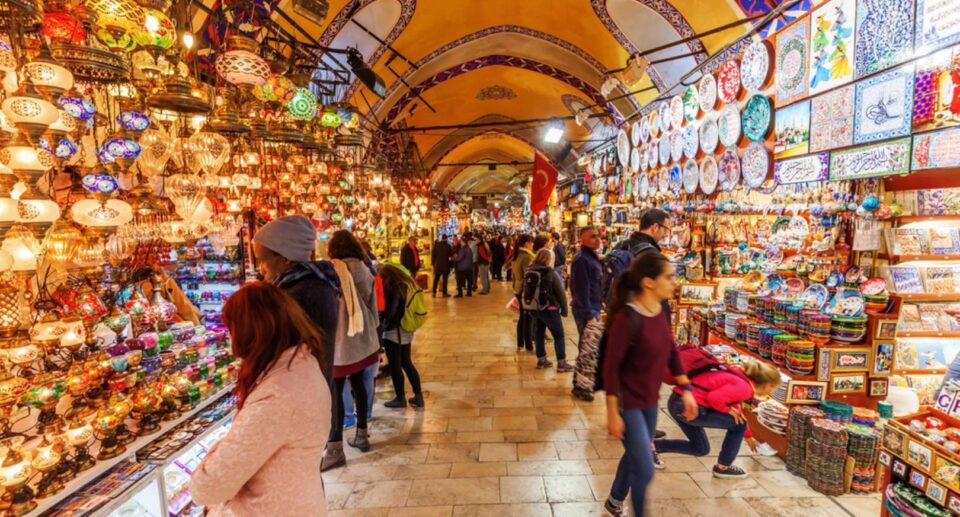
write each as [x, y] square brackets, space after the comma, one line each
[269, 462]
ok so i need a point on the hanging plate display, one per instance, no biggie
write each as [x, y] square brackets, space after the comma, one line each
[729, 170]
[709, 175]
[756, 117]
[654, 117]
[653, 153]
[654, 180]
[691, 103]
[707, 91]
[691, 176]
[755, 164]
[728, 125]
[709, 135]
[635, 134]
[663, 181]
[642, 158]
[623, 147]
[663, 113]
[691, 141]
[645, 129]
[675, 178]
[676, 145]
[728, 81]
[644, 187]
[635, 159]
[665, 149]
[676, 112]
[755, 66]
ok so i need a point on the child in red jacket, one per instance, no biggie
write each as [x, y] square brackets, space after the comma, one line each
[719, 395]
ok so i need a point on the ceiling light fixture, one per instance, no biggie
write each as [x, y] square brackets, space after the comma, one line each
[553, 135]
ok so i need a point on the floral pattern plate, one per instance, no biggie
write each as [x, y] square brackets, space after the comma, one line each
[623, 147]
[664, 181]
[675, 178]
[709, 175]
[663, 113]
[653, 153]
[756, 117]
[729, 170]
[691, 176]
[635, 159]
[676, 112]
[644, 187]
[645, 129]
[665, 149]
[691, 103]
[728, 125]
[728, 81]
[691, 141]
[676, 145]
[635, 133]
[709, 135]
[707, 90]
[755, 66]
[755, 164]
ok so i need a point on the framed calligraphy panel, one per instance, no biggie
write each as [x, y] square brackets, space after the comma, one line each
[884, 159]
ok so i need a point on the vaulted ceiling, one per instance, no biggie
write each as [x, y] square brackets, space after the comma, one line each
[494, 60]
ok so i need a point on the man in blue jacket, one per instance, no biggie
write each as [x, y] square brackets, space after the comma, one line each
[464, 265]
[585, 294]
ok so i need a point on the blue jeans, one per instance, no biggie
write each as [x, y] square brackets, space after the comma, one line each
[484, 278]
[697, 443]
[544, 320]
[635, 470]
[369, 378]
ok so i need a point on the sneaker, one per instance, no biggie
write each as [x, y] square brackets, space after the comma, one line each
[614, 510]
[349, 422]
[659, 435]
[564, 367]
[732, 471]
[543, 363]
[658, 462]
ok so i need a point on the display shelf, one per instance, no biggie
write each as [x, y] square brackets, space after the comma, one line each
[921, 218]
[724, 340]
[762, 433]
[102, 467]
[927, 333]
[928, 297]
[120, 499]
[919, 258]
[214, 426]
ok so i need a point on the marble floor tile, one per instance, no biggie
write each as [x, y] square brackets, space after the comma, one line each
[798, 507]
[503, 510]
[379, 494]
[498, 452]
[431, 492]
[537, 451]
[567, 489]
[522, 489]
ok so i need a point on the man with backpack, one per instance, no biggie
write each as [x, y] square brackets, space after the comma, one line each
[653, 228]
[521, 262]
[586, 271]
[545, 300]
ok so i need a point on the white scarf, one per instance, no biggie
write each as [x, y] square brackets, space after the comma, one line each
[350, 299]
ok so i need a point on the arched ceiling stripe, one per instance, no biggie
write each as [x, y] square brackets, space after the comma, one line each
[493, 60]
[407, 8]
[755, 7]
[467, 138]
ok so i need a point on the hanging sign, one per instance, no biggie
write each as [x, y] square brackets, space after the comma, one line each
[937, 150]
[886, 159]
[801, 170]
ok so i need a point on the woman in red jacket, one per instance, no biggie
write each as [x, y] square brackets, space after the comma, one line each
[719, 395]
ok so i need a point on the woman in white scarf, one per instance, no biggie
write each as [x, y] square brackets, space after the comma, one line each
[357, 345]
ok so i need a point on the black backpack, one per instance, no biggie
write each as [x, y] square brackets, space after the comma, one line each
[535, 295]
[616, 262]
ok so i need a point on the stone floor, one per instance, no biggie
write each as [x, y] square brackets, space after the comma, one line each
[500, 438]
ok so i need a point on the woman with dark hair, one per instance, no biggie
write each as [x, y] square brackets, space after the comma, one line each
[639, 349]
[396, 341]
[269, 461]
[357, 344]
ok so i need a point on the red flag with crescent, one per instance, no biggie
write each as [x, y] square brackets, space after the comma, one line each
[542, 183]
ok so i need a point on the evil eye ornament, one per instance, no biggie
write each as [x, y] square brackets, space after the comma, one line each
[100, 183]
[871, 203]
[133, 120]
[122, 148]
[78, 107]
[65, 149]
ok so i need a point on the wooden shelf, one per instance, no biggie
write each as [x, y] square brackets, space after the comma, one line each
[928, 297]
[765, 434]
[928, 333]
[932, 371]
[915, 258]
[920, 218]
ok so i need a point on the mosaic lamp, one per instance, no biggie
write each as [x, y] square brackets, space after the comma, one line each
[119, 20]
[157, 33]
[15, 471]
[303, 106]
[240, 65]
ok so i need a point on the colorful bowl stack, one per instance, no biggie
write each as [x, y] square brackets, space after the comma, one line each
[780, 344]
[826, 456]
[837, 410]
[864, 446]
[815, 325]
[743, 324]
[792, 318]
[763, 306]
[730, 326]
[753, 336]
[876, 303]
[849, 329]
[798, 432]
[800, 356]
[766, 342]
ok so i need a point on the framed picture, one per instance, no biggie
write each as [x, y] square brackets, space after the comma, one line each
[806, 392]
[697, 294]
[823, 365]
[919, 455]
[946, 473]
[886, 329]
[899, 468]
[878, 387]
[953, 503]
[850, 360]
[882, 359]
[893, 439]
[848, 383]
[885, 458]
[937, 492]
[918, 479]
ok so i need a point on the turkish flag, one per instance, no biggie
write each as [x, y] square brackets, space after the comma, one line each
[542, 183]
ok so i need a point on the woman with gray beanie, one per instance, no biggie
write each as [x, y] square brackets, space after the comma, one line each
[357, 342]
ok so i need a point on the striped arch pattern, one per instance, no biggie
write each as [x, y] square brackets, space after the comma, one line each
[407, 8]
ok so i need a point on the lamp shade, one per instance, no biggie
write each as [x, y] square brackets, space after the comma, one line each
[242, 68]
[156, 32]
[26, 160]
[210, 150]
[61, 242]
[23, 109]
[187, 192]
[91, 213]
[49, 76]
[303, 106]
[156, 149]
[33, 207]
[23, 247]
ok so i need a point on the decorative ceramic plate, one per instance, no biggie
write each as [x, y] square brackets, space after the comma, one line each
[707, 90]
[623, 147]
[635, 159]
[774, 283]
[873, 287]
[728, 125]
[635, 134]
[691, 141]
[794, 287]
[728, 81]
[645, 129]
[676, 112]
[654, 117]
[653, 153]
[676, 145]
[834, 279]
[665, 149]
[755, 66]
[755, 164]
[654, 180]
[756, 117]
[709, 175]
[664, 180]
[691, 176]
[691, 103]
[729, 170]
[644, 187]
[815, 296]
[709, 135]
[663, 113]
[847, 302]
[675, 178]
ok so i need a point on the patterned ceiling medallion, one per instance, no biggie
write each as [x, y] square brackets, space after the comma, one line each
[496, 93]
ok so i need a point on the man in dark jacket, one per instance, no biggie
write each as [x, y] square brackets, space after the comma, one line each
[586, 272]
[464, 264]
[559, 255]
[440, 258]
[499, 257]
[410, 257]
